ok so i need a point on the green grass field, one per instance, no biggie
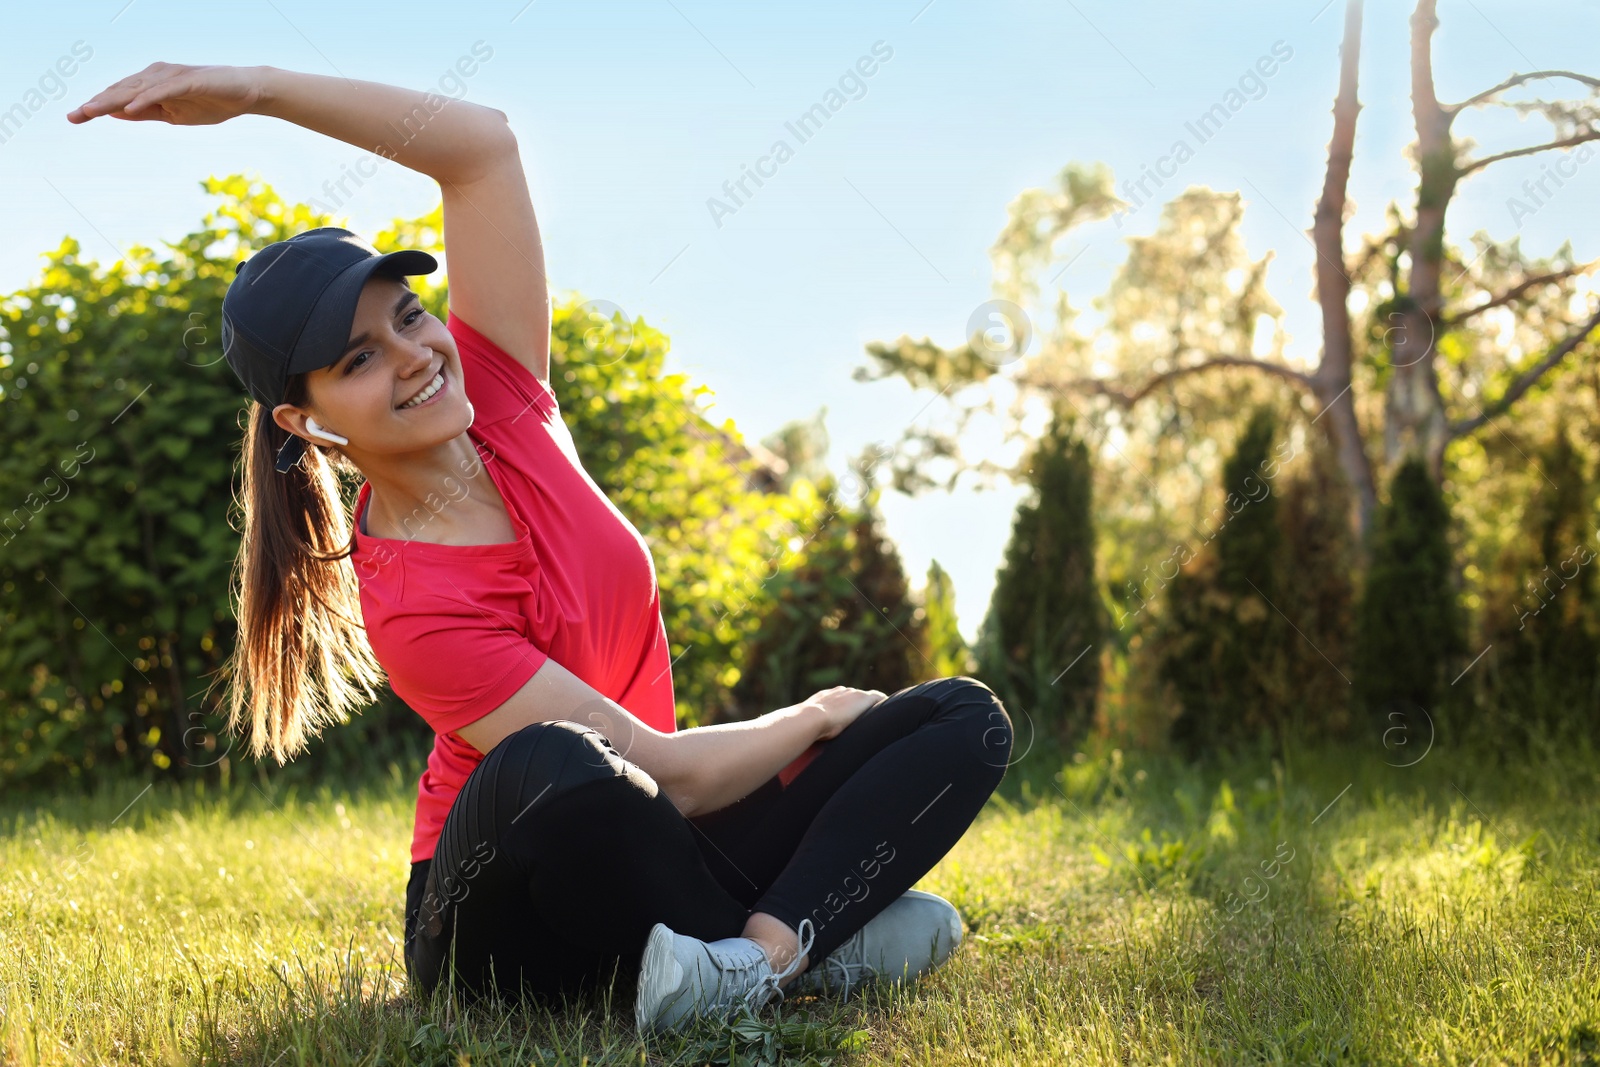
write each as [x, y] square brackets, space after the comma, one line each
[1119, 909]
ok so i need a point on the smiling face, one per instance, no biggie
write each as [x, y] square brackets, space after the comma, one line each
[398, 352]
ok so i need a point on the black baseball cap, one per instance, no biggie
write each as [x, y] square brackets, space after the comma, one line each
[290, 307]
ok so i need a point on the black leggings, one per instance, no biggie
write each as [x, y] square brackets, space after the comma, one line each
[558, 855]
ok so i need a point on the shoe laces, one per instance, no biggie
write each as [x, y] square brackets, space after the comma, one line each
[740, 969]
[843, 975]
[767, 989]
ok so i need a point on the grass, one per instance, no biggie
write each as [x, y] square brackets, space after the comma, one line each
[1120, 908]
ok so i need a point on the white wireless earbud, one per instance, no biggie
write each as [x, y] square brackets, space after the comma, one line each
[313, 428]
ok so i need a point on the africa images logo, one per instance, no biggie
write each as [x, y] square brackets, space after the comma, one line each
[1251, 85]
[804, 128]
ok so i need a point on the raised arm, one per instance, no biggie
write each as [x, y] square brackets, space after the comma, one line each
[494, 255]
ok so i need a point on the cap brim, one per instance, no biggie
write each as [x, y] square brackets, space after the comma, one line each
[327, 329]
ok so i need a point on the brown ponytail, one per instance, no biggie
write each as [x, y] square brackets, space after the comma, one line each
[301, 661]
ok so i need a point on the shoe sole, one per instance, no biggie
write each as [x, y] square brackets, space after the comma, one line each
[655, 971]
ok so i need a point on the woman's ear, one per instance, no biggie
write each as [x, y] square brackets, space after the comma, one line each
[284, 416]
[302, 424]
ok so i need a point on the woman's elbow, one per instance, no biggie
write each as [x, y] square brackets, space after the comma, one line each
[679, 775]
[489, 147]
[505, 139]
[682, 786]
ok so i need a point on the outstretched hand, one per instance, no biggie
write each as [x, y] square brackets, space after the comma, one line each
[176, 93]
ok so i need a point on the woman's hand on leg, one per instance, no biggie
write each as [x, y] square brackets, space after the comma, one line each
[841, 706]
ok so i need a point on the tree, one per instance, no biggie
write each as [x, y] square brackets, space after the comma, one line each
[802, 447]
[946, 647]
[1253, 625]
[1542, 616]
[1222, 642]
[1418, 370]
[1037, 643]
[1409, 626]
[1319, 596]
[840, 614]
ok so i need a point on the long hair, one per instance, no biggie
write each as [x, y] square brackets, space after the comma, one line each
[301, 661]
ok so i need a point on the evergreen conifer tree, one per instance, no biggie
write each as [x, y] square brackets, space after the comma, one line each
[1222, 642]
[1039, 642]
[946, 647]
[1408, 624]
[841, 614]
[1541, 610]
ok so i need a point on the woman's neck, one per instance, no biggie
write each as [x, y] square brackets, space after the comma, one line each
[448, 498]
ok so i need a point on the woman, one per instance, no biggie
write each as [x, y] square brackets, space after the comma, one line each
[516, 610]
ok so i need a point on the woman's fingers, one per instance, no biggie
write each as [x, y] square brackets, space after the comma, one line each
[155, 94]
[198, 96]
[119, 94]
[103, 104]
[106, 102]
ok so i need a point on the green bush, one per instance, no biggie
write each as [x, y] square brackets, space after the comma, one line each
[1251, 637]
[123, 428]
[121, 434]
[1409, 627]
[1541, 615]
[1039, 644]
[840, 613]
[1220, 643]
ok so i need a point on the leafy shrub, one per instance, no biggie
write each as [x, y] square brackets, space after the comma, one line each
[124, 425]
[1038, 643]
[1409, 626]
[1221, 643]
[1253, 629]
[840, 614]
[1541, 614]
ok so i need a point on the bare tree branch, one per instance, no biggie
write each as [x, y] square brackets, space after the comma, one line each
[1526, 380]
[1414, 417]
[1516, 291]
[1331, 380]
[1125, 399]
[1516, 80]
[1565, 142]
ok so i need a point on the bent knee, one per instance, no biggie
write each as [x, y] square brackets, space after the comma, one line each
[555, 754]
[968, 698]
[963, 694]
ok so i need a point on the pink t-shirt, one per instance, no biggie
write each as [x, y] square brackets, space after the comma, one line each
[460, 628]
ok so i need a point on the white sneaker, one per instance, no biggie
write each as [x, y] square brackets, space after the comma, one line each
[682, 978]
[913, 935]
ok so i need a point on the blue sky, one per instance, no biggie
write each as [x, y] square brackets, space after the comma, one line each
[631, 116]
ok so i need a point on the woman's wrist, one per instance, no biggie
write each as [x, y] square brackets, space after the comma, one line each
[266, 95]
[815, 717]
[724, 762]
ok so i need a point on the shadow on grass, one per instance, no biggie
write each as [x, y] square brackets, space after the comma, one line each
[1303, 960]
[355, 1016]
[135, 802]
[1307, 907]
